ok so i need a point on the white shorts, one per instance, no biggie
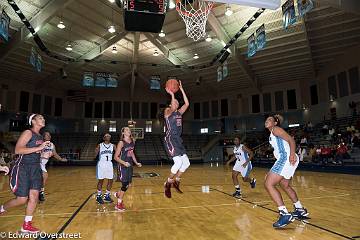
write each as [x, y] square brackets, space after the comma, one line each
[104, 170]
[283, 167]
[43, 163]
[244, 171]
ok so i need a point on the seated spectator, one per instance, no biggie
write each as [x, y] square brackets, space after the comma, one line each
[318, 154]
[325, 154]
[341, 154]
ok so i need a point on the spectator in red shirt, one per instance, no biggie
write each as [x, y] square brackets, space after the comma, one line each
[325, 154]
[341, 153]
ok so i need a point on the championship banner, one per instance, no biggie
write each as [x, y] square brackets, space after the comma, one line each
[289, 17]
[251, 45]
[39, 63]
[100, 80]
[111, 81]
[219, 74]
[155, 82]
[260, 37]
[304, 6]
[88, 79]
[4, 26]
[32, 58]
[225, 70]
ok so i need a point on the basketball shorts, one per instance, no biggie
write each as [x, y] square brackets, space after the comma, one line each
[25, 177]
[126, 173]
[283, 167]
[244, 171]
[104, 170]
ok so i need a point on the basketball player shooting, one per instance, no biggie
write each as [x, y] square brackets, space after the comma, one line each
[173, 142]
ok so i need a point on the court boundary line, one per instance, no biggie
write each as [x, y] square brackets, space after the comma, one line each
[256, 203]
[269, 209]
[72, 216]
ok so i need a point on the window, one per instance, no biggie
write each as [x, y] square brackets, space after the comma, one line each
[88, 109]
[267, 102]
[98, 110]
[204, 130]
[354, 80]
[196, 110]
[36, 104]
[343, 84]
[112, 126]
[107, 109]
[93, 126]
[279, 101]
[224, 107]
[58, 107]
[291, 97]
[144, 110]
[117, 109]
[314, 95]
[205, 110]
[255, 103]
[24, 101]
[47, 105]
[214, 108]
[148, 128]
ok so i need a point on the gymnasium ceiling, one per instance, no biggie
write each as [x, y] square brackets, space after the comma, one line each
[297, 53]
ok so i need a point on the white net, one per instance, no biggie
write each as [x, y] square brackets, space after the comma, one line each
[195, 14]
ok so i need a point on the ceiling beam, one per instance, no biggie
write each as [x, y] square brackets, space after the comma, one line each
[167, 53]
[218, 29]
[309, 47]
[39, 20]
[97, 51]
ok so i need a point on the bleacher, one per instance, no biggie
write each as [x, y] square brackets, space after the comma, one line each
[150, 149]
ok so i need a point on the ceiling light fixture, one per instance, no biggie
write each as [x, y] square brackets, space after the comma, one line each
[69, 47]
[114, 51]
[228, 11]
[156, 53]
[61, 25]
[162, 34]
[196, 56]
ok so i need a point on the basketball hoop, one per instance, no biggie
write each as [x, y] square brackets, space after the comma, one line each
[195, 14]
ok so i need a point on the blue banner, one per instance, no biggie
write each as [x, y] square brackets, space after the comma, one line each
[260, 37]
[289, 17]
[305, 6]
[4, 26]
[88, 79]
[251, 45]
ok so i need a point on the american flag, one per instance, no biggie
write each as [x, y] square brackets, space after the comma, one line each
[76, 95]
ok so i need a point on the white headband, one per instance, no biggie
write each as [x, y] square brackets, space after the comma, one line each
[31, 118]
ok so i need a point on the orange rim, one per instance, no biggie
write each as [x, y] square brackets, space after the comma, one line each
[206, 11]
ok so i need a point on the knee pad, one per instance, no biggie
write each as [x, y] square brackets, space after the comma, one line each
[125, 186]
[185, 163]
[177, 164]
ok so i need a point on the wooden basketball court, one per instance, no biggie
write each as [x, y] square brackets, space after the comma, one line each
[70, 207]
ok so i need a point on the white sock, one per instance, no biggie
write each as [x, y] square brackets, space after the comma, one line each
[283, 208]
[298, 205]
[28, 218]
[107, 192]
[42, 189]
[2, 209]
[237, 188]
[99, 192]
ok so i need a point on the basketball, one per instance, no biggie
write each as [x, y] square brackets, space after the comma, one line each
[173, 85]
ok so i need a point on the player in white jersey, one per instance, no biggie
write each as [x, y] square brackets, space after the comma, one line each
[48, 152]
[243, 156]
[282, 172]
[104, 168]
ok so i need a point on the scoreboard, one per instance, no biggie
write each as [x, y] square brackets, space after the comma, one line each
[143, 15]
[146, 6]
